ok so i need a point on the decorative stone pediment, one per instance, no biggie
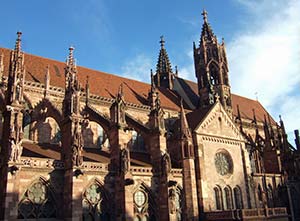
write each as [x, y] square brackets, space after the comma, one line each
[218, 123]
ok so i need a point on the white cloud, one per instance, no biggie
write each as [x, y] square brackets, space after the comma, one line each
[265, 57]
[138, 68]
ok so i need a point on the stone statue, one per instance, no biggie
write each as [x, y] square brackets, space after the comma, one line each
[172, 201]
[125, 160]
[77, 146]
[15, 142]
[166, 164]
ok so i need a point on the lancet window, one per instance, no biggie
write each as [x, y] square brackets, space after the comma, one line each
[238, 199]
[228, 198]
[218, 198]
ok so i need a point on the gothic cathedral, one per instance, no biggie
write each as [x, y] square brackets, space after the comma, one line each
[80, 144]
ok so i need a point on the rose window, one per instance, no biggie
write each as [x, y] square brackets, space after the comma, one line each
[223, 163]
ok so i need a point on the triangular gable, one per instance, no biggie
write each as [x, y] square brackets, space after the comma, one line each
[218, 123]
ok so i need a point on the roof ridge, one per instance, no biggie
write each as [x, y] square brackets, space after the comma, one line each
[78, 66]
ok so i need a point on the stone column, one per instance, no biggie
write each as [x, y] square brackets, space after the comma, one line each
[120, 167]
[161, 165]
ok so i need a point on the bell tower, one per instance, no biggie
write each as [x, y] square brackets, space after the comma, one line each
[211, 68]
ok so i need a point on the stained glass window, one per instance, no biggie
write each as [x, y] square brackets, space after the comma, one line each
[93, 204]
[37, 202]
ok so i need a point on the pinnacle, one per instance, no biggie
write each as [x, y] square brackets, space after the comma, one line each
[18, 42]
[163, 63]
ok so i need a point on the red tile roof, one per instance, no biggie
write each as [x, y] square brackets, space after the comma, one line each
[106, 85]
[246, 105]
[102, 84]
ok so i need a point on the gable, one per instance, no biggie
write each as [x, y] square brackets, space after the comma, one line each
[217, 123]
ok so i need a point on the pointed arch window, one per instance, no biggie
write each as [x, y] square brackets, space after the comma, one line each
[228, 198]
[94, 204]
[175, 202]
[218, 198]
[143, 205]
[37, 203]
[137, 142]
[214, 74]
[270, 196]
[259, 195]
[238, 199]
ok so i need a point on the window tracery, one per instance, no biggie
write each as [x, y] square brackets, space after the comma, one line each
[37, 202]
[94, 204]
[143, 205]
[223, 163]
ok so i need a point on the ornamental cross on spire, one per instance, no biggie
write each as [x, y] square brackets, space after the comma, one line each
[204, 14]
[162, 41]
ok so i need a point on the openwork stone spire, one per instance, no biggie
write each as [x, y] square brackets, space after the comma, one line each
[164, 74]
[16, 73]
[207, 32]
[72, 90]
[211, 69]
[163, 63]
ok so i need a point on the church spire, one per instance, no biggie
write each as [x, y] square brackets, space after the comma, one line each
[211, 68]
[71, 102]
[164, 74]
[152, 93]
[16, 76]
[18, 43]
[207, 32]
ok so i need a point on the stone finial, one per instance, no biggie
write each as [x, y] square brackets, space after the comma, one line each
[184, 127]
[254, 117]
[162, 41]
[1, 66]
[47, 80]
[70, 60]
[18, 42]
[87, 90]
[204, 14]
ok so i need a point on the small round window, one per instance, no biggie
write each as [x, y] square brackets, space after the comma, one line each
[223, 163]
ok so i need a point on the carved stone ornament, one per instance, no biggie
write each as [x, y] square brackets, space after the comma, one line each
[166, 164]
[125, 160]
[77, 146]
[15, 143]
[172, 201]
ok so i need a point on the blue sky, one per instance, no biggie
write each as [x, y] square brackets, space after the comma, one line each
[121, 37]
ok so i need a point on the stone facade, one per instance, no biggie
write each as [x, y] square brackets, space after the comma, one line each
[118, 149]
